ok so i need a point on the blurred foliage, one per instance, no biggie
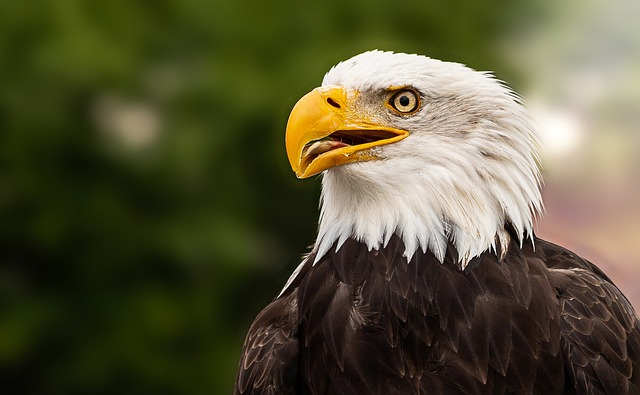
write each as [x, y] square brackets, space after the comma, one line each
[147, 206]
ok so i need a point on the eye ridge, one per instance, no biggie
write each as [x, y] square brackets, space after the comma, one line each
[405, 101]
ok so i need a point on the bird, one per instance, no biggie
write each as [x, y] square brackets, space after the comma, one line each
[427, 276]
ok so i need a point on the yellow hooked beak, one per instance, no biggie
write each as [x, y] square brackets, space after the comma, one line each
[322, 132]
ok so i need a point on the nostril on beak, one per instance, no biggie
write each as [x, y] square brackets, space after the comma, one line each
[333, 103]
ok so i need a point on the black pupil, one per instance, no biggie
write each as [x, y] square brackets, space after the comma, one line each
[404, 101]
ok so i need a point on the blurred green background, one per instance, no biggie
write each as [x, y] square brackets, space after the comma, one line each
[148, 210]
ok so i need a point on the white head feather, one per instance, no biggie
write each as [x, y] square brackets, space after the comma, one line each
[468, 168]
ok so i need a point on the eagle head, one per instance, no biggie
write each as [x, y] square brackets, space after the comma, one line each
[432, 151]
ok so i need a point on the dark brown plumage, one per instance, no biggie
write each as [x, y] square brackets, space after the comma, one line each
[542, 320]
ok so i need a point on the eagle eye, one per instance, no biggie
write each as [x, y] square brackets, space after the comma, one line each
[405, 101]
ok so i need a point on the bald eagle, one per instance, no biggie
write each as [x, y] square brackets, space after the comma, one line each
[426, 276]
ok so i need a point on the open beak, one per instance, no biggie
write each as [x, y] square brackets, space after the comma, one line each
[322, 132]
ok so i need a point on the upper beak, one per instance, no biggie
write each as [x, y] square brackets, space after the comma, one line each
[323, 132]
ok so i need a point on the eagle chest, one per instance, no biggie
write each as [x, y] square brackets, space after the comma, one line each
[370, 317]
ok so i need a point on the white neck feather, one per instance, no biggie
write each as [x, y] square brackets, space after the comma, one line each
[426, 210]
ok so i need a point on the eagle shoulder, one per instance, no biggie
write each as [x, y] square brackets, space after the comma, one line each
[600, 331]
[269, 362]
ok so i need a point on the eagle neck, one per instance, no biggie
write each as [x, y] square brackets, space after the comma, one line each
[361, 203]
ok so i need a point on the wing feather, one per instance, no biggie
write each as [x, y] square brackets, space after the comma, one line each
[269, 357]
[600, 331]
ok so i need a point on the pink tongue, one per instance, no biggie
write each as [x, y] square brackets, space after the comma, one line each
[320, 147]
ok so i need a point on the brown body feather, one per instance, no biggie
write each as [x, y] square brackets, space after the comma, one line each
[542, 320]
